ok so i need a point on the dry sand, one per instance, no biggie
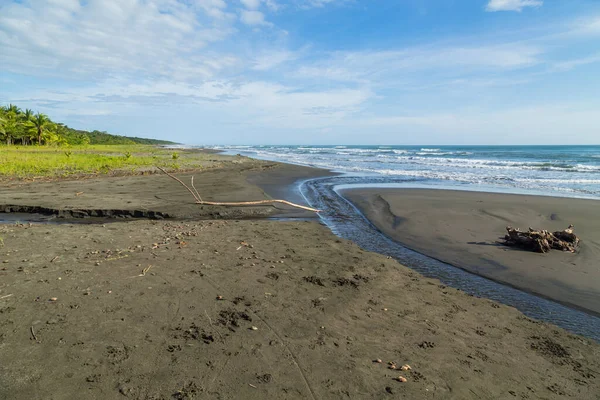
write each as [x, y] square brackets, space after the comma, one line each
[227, 180]
[463, 229]
[252, 309]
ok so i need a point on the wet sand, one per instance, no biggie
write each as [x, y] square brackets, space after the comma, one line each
[463, 229]
[250, 309]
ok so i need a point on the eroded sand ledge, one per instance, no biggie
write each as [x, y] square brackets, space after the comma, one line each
[324, 310]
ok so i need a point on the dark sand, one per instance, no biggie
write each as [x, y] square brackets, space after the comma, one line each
[462, 228]
[137, 314]
[226, 180]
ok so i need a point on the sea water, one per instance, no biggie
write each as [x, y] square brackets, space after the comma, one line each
[566, 171]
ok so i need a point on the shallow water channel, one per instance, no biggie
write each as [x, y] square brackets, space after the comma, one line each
[347, 222]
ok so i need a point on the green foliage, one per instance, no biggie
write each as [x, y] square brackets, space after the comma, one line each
[39, 125]
[25, 128]
[18, 162]
[175, 156]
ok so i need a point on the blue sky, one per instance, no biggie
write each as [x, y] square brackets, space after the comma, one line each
[309, 71]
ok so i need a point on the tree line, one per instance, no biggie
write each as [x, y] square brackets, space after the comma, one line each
[24, 127]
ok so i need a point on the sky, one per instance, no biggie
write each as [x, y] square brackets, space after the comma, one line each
[309, 71]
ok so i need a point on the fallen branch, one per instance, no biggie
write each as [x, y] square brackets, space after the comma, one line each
[542, 241]
[145, 270]
[199, 200]
[196, 190]
[33, 334]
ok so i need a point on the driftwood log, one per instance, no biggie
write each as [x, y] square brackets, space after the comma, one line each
[199, 200]
[542, 241]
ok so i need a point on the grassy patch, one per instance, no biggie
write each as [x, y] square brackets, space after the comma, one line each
[52, 162]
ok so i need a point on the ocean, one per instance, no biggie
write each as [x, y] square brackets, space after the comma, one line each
[566, 171]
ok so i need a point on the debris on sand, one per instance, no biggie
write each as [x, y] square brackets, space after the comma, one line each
[542, 241]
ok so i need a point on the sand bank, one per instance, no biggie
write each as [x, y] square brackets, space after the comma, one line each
[228, 179]
[462, 228]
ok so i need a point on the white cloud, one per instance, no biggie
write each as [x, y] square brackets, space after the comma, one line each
[317, 3]
[591, 26]
[570, 64]
[251, 4]
[512, 5]
[272, 5]
[253, 18]
[447, 61]
[272, 59]
[254, 103]
[108, 36]
[545, 123]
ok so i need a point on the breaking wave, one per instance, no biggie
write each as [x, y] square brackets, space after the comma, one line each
[553, 170]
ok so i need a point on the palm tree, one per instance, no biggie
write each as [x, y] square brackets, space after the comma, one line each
[27, 115]
[14, 109]
[40, 122]
[11, 127]
[28, 134]
[2, 122]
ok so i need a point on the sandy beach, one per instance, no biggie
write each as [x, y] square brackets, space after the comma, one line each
[216, 303]
[225, 178]
[463, 228]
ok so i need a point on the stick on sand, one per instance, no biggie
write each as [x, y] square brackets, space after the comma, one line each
[199, 200]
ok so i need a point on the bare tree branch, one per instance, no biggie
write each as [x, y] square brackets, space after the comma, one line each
[196, 190]
[199, 200]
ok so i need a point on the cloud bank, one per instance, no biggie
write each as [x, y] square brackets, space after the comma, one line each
[240, 67]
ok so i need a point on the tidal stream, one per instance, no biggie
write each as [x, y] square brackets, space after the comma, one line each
[349, 223]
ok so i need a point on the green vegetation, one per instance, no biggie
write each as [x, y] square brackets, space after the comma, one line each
[30, 162]
[18, 127]
[33, 146]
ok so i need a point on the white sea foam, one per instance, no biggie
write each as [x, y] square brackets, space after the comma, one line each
[560, 181]
[542, 170]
